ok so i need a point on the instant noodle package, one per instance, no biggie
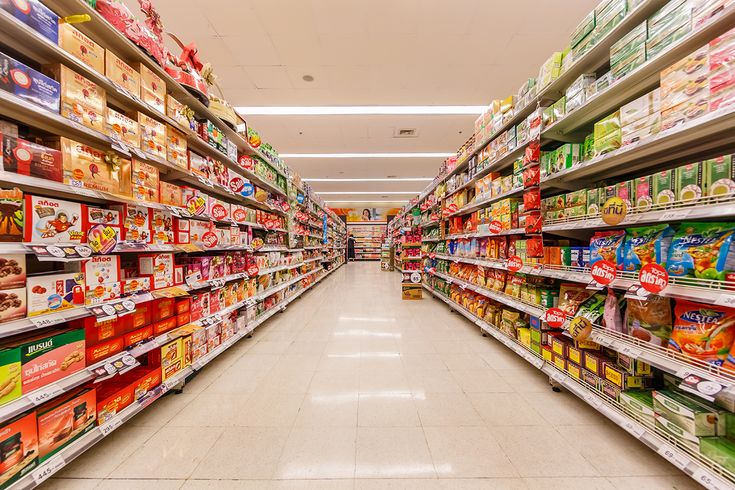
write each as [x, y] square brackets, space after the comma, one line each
[703, 332]
[702, 251]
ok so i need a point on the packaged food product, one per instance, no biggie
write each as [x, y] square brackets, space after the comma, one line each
[35, 15]
[643, 193]
[719, 176]
[81, 47]
[64, 420]
[702, 250]
[647, 245]
[152, 88]
[25, 158]
[152, 135]
[87, 167]
[704, 332]
[28, 84]
[82, 100]
[19, 444]
[53, 220]
[663, 187]
[689, 182]
[649, 319]
[571, 296]
[608, 245]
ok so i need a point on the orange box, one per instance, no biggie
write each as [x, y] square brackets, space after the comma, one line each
[81, 47]
[163, 308]
[63, 420]
[105, 349]
[170, 194]
[183, 305]
[112, 397]
[141, 385]
[141, 316]
[164, 326]
[139, 335]
[183, 319]
[82, 100]
[22, 432]
[554, 255]
[96, 332]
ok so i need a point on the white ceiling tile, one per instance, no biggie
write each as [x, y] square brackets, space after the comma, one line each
[269, 76]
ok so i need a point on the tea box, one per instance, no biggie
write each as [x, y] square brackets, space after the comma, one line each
[122, 128]
[82, 100]
[639, 403]
[145, 181]
[81, 47]
[29, 85]
[25, 158]
[64, 420]
[152, 88]
[53, 220]
[664, 187]
[689, 182]
[122, 74]
[720, 450]
[152, 136]
[690, 415]
[719, 176]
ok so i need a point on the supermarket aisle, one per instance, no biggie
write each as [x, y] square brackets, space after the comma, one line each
[353, 388]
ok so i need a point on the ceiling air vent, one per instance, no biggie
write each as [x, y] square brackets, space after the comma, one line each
[405, 133]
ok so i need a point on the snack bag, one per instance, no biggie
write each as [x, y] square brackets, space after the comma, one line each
[608, 245]
[702, 250]
[593, 307]
[571, 296]
[646, 245]
[611, 318]
[649, 319]
[704, 332]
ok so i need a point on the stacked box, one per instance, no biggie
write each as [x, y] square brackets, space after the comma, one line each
[672, 22]
[721, 72]
[685, 89]
[576, 94]
[583, 29]
[641, 118]
[551, 69]
[629, 52]
[608, 136]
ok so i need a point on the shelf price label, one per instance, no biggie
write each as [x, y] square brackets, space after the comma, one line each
[706, 479]
[555, 317]
[514, 264]
[653, 278]
[672, 456]
[603, 272]
[46, 320]
[46, 393]
[495, 227]
[43, 472]
[110, 425]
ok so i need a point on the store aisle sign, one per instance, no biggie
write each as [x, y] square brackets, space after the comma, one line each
[614, 211]
[653, 278]
[603, 272]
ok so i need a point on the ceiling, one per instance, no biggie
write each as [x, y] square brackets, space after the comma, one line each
[381, 52]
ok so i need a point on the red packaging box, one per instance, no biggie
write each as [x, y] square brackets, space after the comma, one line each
[103, 228]
[164, 326]
[183, 318]
[103, 350]
[96, 332]
[139, 335]
[112, 397]
[162, 309]
[136, 222]
[21, 431]
[142, 380]
[182, 305]
[141, 316]
[63, 420]
[25, 158]
[199, 307]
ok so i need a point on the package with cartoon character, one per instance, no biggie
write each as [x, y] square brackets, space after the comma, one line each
[53, 220]
[702, 251]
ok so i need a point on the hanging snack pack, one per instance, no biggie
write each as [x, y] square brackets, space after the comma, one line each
[608, 245]
[703, 332]
[649, 319]
[702, 251]
[646, 245]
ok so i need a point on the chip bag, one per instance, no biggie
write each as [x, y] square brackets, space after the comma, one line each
[571, 296]
[608, 245]
[704, 332]
[646, 245]
[702, 250]
[649, 319]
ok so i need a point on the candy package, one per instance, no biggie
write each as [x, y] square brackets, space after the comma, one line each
[647, 245]
[704, 332]
[703, 251]
[608, 245]
[649, 319]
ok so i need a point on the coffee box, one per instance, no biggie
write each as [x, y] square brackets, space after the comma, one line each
[82, 47]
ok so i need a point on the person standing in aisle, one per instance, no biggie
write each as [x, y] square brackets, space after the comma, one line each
[350, 247]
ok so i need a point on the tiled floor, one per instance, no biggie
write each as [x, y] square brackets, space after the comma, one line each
[352, 388]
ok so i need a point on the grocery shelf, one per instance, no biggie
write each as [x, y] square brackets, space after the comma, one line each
[477, 234]
[638, 82]
[432, 239]
[503, 161]
[484, 202]
[707, 133]
[705, 473]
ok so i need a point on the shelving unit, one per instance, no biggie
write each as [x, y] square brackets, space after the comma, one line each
[368, 239]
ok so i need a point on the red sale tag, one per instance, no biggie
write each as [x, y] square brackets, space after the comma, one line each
[555, 317]
[603, 272]
[210, 239]
[253, 270]
[495, 227]
[219, 212]
[453, 208]
[433, 216]
[236, 184]
[653, 278]
[285, 206]
[515, 263]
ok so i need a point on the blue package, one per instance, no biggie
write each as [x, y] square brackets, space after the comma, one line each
[646, 245]
[35, 15]
[28, 84]
[607, 245]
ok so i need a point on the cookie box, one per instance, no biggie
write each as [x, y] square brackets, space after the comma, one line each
[152, 136]
[18, 445]
[176, 147]
[170, 194]
[85, 167]
[122, 128]
[691, 415]
[10, 375]
[138, 336]
[54, 292]
[133, 285]
[177, 111]
[28, 84]
[152, 88]
[81, 47]
[182, 228]
[163, 228]
[200, 165]
[12, 271]
[163, 326]
[64, 420]
[13, 304]
[172, 358]
[102, 278]
[104, 229]
[25, 158]
[136, 222]
[159, 267]
[163, 308]
[105, 349]
[195, 201]
[82, 100]
[145, 181]
[112, 397]
[122, 74]
[48, 357]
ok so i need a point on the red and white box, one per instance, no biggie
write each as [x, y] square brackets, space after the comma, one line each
[102, 278]
[160, 268]
[53, 220]
[182, 229]
[136, 222]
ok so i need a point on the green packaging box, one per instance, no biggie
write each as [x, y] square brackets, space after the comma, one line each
[663, 184]
[689, 182]
[669, 428]
[588, 147]
[635, 38]
[577, 198]
[593, 201]
[639, 403]
[692, 416]
[719, 450]
[584, 28]
[566, 256]
[719, 176]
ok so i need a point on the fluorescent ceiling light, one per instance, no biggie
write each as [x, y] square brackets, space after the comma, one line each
[363, 110]
[377, 193]
[402, 179]
[367, 155]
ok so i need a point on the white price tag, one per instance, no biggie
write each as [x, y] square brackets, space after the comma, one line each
[706, 478]
[110, 425]
[675, 215]
[170, 383]
[672, 456]
[46, 393]
[726, 300]
[46, 320]
[217, 283]
[633, 427]
[592, 399]
[630, 351]
[198, 364]
[43, 472]
[558, 377]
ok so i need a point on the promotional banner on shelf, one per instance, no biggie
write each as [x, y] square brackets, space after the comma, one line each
[365, 215]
